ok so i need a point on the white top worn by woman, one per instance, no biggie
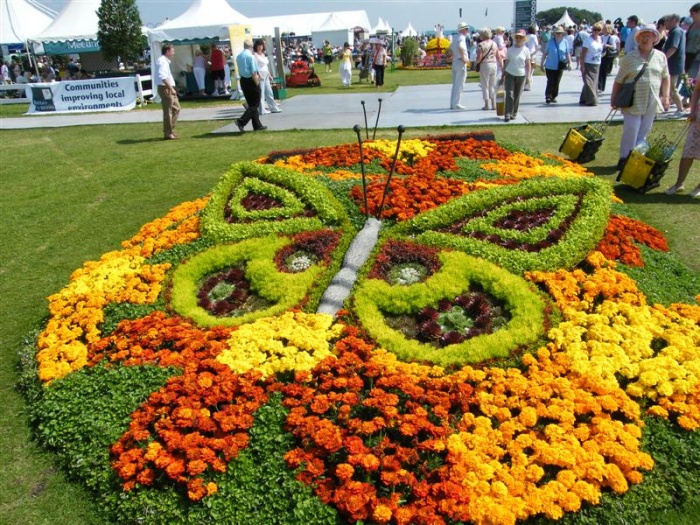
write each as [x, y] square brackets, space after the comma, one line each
[532, 45]
[516, 58]
[263, 64]
[200, 62]
[595, 50]
[613, 45]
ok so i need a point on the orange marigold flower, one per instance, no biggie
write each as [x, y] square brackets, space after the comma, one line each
[381, 513]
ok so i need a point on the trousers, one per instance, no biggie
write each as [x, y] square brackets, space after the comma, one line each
[513, 87]
[252, 93]
[171, 109]
[635, 128]
[458, 72]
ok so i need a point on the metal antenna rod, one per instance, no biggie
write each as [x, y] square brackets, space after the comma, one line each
[364, 110]
[377, 122]
[356, 128]
[400, 129]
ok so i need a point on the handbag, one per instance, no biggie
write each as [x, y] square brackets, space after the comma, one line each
[477, 68]
[625, 96]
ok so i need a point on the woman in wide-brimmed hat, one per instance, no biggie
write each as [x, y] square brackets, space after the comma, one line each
[638, 119]
[516, 69]
[555, 59]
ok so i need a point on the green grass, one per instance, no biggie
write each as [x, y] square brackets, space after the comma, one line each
[69, 195]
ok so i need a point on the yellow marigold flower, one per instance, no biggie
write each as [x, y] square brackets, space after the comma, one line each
[522, 166]
[76, 311]
[152, 451]
[294, 341]
[615, 479]
[409, 151]
[295, 162]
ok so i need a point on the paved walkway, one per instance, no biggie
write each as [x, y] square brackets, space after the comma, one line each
[410, 106]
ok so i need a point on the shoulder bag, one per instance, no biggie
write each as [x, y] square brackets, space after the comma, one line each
[477, 68]
[625, 96]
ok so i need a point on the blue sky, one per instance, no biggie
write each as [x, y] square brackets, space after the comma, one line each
[422, 14]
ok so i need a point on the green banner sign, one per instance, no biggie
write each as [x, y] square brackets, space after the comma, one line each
[68, 47]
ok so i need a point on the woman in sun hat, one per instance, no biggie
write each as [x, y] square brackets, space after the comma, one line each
[555, 59]
[638, 119]
[516, 69]
[591, 56]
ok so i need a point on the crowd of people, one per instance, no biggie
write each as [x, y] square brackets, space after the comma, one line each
[661, 59]
[18, 70]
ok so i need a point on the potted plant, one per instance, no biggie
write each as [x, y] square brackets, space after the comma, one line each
[647, 162]
[583, 142]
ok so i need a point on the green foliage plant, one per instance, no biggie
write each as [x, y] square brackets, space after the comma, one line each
[376, 298]
[664, 278]
[564, 205]
[83, 414]
[409, 51]
[282, 290]
[298, 192]
[581, 236]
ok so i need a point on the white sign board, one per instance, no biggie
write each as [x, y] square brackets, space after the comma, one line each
[80, 96]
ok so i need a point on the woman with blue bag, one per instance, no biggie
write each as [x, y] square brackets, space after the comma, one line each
[555, 59]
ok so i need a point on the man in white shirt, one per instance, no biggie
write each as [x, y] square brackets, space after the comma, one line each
[460, 59]
[167, 91]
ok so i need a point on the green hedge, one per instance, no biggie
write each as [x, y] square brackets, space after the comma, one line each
[297, 193]
[583, 234]
[374, 298]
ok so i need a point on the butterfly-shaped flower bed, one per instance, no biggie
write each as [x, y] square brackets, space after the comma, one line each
[495, 361]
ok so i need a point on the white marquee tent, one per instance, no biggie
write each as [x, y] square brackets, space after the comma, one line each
[565, 20]
[22, 19]
[204, 19]
[409, 31]
[306, 24]
[74, 30]
[335, 30]
[382, 27]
